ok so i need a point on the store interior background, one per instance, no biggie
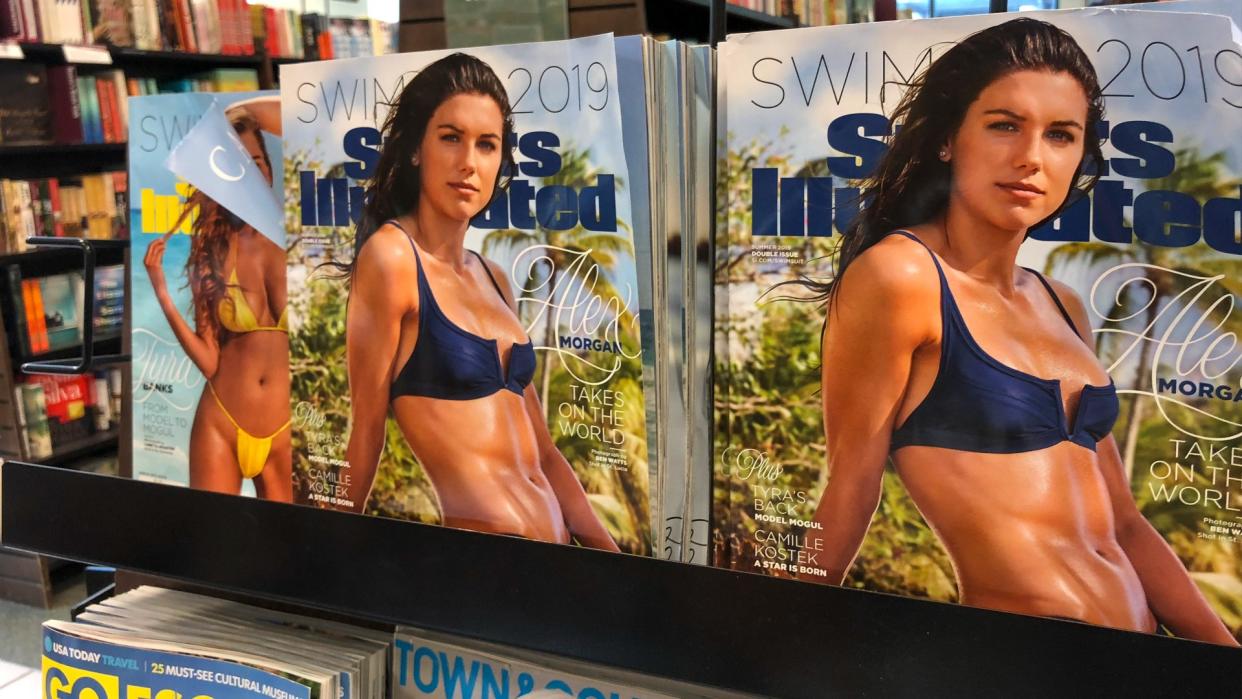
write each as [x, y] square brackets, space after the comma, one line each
[426, 24]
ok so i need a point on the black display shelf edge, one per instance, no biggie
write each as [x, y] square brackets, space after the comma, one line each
[94, 444]
[22, 150]
[124, 55]
[751, 17]
[727, 629]
[38, 258]
[107, 344]
[129, 55]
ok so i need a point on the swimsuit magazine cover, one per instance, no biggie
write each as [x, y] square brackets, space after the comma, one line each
[485, 376]
[84, 659]
[1094, 440]
[210, 380]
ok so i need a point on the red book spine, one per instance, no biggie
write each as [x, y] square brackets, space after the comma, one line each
[243, 24]
[273, 38]
[53, 189]
[228, 24]
[66, 107]
[107, 113]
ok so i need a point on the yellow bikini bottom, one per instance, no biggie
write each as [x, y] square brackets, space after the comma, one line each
[252, 451]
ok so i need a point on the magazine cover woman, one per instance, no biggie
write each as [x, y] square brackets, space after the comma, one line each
[239, 341]
[432, 329]
[981, 380]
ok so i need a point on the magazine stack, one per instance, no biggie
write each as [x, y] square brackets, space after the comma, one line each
[152, 642]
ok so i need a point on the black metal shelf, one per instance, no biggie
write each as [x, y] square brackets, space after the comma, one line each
[40, 262]
[25, 150]
[37, 160]
[732, 630]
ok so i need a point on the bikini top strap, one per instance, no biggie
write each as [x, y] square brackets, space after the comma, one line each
[488, 269]
[418, 260]
[230, 259]
[1060, 307]
[944, 283]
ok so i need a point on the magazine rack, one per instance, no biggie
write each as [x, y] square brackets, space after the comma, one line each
[88, 361]
[738, 631]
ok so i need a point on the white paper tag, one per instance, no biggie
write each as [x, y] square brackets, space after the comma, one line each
[10, 49]
[87, 54]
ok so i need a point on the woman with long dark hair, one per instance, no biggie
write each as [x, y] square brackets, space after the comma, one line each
[977, 376]
[432, 329]
[239, 340]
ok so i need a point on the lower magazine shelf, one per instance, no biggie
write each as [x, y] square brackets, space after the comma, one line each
[713, 627]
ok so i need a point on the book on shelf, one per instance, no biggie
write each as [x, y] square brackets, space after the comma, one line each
[82, 206]
[33, 421]
[61, 302]
[25, 115]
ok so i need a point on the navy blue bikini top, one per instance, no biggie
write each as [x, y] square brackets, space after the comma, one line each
[977, 404]
[452, 364]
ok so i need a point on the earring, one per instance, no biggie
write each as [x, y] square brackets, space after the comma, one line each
[944, 155]
[414, 160]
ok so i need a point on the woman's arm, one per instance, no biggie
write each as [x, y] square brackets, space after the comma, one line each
[379, 298]
[265, 110]
[579, 517]
[1172, 596]
[201, 345]
[886, 309]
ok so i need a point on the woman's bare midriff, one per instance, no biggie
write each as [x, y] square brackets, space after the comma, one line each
[1031, 533]
[253, 381]
[483, 459]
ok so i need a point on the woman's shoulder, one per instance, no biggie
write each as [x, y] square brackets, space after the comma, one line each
[388, 249]
[896, 265]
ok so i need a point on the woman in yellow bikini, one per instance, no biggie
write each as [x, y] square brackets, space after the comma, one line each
[240, 338]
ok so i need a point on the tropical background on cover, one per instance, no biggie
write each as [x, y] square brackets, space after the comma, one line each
[318, 298]
[767, 368]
